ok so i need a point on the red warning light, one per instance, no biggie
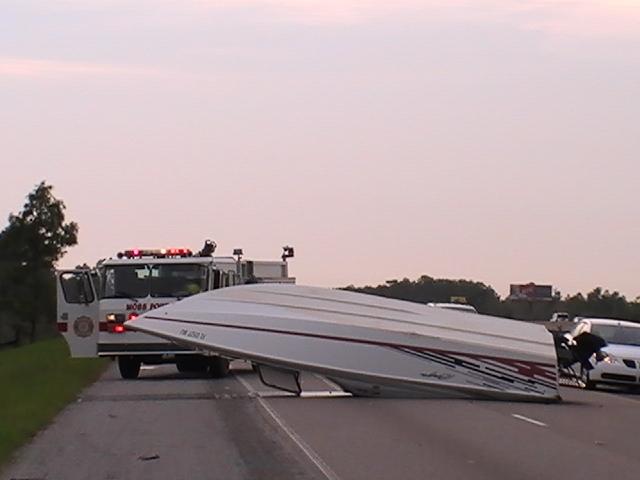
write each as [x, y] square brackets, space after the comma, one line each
[132, 316]
[118, 328]
[156, 253]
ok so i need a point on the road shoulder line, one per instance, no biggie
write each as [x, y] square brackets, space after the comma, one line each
[529, 420]
[306, 449]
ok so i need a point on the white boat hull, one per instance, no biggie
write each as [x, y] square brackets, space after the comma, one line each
[370, 346]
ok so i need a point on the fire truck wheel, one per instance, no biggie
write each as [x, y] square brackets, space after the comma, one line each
[192, 364]
[129, 367]
[182, 364]
[218, 367]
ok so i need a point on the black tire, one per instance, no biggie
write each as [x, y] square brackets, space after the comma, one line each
[129, 367]
[192, 364]
[182, 365]
[585, 382]
[218, 367]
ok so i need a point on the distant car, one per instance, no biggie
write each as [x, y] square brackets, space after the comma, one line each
[559, 317]
[462, 307]
[621, 364]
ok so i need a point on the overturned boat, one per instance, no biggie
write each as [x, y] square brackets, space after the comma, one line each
[369, 345]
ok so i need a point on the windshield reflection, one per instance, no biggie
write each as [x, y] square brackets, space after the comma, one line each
[166, 280]
[617, 335]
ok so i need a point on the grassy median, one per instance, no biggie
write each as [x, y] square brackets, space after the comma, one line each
[36, 382]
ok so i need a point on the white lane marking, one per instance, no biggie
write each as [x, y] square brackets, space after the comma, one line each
[272, 393]
[529, 420]
[306, 449]
[307, 394]
[325, 394]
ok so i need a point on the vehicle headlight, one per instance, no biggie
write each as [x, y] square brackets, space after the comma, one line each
[611, 359]
[111, 317]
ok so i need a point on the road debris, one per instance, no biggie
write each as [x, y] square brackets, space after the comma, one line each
[146, 458]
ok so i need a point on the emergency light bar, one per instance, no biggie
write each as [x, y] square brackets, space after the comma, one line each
[155, 252]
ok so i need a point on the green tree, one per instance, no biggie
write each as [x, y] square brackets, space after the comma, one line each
[601, 303]
[427, 289]
[597, 303]
[30, 245]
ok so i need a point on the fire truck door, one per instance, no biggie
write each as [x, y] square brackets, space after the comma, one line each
[78, 312]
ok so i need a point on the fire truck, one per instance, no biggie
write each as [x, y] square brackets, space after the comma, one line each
[94, 303]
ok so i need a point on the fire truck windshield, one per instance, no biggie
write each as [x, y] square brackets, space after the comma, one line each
[178, 280]
[163, 280]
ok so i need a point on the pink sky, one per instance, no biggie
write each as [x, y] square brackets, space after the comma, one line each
[491, 140]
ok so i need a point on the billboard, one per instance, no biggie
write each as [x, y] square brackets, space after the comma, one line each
[530, 291]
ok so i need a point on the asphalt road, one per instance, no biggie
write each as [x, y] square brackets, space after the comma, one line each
[168, 426]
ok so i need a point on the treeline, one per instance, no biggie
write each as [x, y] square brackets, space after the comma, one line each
[597, 303]
[30, 245]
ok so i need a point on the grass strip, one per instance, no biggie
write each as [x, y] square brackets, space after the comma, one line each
[36, 382]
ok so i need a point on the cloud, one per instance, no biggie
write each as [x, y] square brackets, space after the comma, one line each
[38, 68]
[591, 18]
[560, 17]
[596, 18]
[327, 11]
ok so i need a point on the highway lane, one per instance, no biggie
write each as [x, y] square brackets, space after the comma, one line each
[461, 439]
[202, 428]
[590, 434]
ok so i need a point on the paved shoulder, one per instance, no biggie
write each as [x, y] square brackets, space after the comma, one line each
[162, 426]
